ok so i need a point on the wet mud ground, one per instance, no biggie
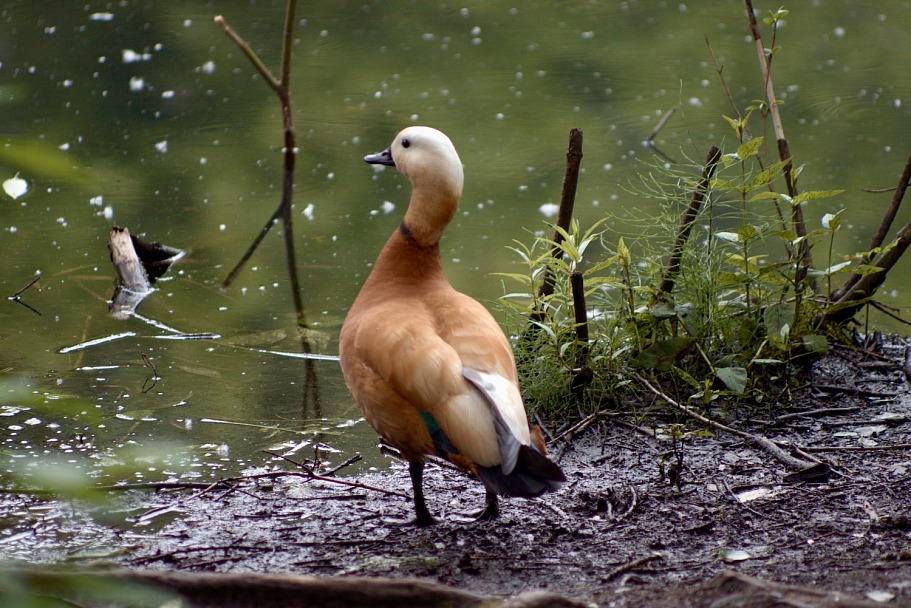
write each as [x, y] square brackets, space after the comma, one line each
[619, 533]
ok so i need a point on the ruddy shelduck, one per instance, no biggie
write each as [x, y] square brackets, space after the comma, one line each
[429, 366]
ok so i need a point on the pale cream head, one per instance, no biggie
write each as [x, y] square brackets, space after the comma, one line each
[430, 162]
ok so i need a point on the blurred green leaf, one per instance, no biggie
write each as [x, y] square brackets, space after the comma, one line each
[41, 159]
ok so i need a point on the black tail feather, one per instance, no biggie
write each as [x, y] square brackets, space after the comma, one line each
[533, 475]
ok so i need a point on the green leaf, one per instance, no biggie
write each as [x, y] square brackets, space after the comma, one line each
[749, 148]
[747, 233]
[816, 344]
[716, 183]
[766, 176]
[867, 269]
[662, 355]
[662, 311]
[778, 319]
[814, 195]
[623, 252]
[763, 196]
[735, 124]
[735, 378]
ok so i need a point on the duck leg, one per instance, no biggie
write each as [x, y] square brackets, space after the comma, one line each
[423, 516]
[491, 510]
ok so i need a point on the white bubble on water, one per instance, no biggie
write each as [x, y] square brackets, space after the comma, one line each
[308, 212]
[131, 56]
[549, 210]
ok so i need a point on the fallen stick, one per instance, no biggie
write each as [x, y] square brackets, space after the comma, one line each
[632, 565]
[763, 442]
[93, 588]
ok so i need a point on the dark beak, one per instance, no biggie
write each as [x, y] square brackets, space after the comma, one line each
[381, 158]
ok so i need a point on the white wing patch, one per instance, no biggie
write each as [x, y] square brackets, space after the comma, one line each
[505, 403]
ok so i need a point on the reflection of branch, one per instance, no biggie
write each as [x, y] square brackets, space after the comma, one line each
[666, 117]
[281, 86]
[146, 387]
[282, 89]
[17, 297]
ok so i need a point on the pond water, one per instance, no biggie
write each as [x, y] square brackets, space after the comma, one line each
[145, 115]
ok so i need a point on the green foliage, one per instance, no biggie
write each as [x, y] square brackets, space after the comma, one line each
[743, 298]
[48, 587]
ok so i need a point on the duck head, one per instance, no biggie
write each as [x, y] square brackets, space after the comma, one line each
[430, 162]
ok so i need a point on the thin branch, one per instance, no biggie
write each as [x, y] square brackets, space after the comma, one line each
[567, 202]
[860, 287]
[309, 473]
[880, 236]
[281, 86]
[686, 222]
[758, 440]
[250, 53]
[719, 69]
[287, 43]
[804, 259]
[632, 565]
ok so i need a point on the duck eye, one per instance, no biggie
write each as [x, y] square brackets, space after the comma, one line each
[406, 143]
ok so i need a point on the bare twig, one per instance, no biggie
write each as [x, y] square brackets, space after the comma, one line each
[632, 565]
[271, 80]
[309, 473]
[577, 285]
[345, 464]
[758, 440]
[664, 118]
[857, 448]
[860, 286]
[897, 196]
[825, 411]
[584, 424]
